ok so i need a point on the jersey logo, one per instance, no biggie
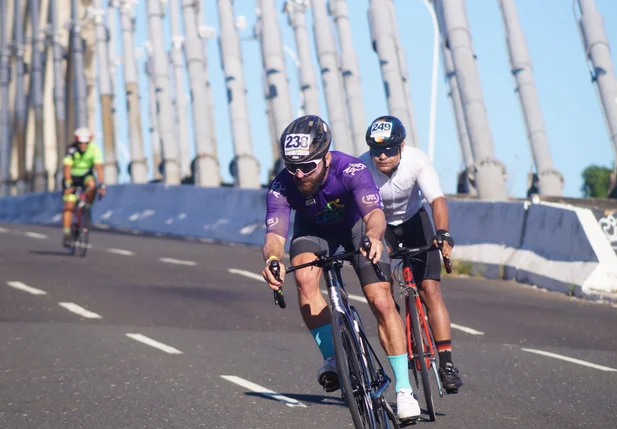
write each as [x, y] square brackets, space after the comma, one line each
[310, 202]
[276, 188]
[370, 199]
[333, 212]
[272, 222]
[353, 168]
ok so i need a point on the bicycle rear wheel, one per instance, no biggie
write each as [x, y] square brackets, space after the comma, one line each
[419, 351]
[352, 372]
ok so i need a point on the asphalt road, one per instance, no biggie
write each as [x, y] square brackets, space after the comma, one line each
[155, 333]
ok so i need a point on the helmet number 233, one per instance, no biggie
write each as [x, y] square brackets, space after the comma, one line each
[293, 141]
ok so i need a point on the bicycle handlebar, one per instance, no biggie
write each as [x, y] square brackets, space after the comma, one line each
[410, 252]
[320, 262]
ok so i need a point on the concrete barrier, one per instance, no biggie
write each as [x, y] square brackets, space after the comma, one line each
[555, 246]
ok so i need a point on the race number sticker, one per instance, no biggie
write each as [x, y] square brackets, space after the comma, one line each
[381, 131]
[297, 145]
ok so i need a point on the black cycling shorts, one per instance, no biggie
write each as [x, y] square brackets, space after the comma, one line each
[310, 238]
[416, 232]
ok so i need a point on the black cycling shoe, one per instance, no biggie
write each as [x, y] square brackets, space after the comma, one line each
[66, 240]
[329, 382]
[450, 379]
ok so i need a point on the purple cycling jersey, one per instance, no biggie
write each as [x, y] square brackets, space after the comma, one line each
[347, 194]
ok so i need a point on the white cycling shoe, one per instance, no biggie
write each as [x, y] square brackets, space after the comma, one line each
[407, 406]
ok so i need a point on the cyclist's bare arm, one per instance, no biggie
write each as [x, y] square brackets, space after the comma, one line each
[67, 175]
[274, 247]
[98, 167]
[440, 213]
[375, 228]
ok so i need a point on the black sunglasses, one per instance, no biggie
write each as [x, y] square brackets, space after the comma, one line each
[390, 151]
[305, 167]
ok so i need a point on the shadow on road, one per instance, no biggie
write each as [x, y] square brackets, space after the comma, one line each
[313, 399]
[51, 252]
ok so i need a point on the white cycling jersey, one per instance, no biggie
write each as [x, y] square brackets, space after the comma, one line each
[403, 193]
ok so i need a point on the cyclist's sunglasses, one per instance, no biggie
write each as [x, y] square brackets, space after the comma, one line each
[390, 151]
[305, 167]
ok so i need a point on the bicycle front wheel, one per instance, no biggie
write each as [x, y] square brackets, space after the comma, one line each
[419, 350]
[352, 372]
[384, 416]
[84, 232]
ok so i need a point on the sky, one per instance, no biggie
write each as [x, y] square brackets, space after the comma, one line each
[573, 117]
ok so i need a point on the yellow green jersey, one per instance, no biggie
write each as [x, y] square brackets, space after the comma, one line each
[82, 163]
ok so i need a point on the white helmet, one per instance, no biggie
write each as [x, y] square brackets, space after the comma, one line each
[83, 135]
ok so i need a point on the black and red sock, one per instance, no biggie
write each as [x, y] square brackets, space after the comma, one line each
[444, 348]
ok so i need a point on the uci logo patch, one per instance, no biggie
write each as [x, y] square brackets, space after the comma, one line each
[370, 199]
[272, 222]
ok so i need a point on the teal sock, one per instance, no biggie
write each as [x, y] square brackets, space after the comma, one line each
[323, 338]
[401, 372]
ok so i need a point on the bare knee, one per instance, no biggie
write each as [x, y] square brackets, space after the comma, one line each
[380, 299]
[431, 292]
[307, 280]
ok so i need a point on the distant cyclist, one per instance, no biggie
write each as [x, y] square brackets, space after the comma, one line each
[81, 159]
[336, 202]
[405, 176]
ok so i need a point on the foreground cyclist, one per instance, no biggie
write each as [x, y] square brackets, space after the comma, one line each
[405, 176]
[336, 203]
[81, 158]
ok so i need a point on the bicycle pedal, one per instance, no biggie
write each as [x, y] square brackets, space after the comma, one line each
[329, 383]
[409, 422]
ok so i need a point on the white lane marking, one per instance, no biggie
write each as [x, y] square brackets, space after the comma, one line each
[246, 274]
[177, 261]
[452, 325]
[153, 343]
[34, 235]
[26, 288]
[79, 310]
[465, 329]
[120, 252]
[3, 229]
[569, 359]
[290, 402]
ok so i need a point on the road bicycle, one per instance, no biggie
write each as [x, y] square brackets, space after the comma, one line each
[362, 378]
[421, 350]
[82, 222]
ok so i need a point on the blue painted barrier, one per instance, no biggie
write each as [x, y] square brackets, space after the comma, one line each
[552, 245]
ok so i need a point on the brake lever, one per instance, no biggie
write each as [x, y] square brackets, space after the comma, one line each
[366, 245]
[279, 298]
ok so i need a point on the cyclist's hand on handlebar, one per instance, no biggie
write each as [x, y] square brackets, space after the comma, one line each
[376, 248]
[270, 278]
[101, 190]
[444, 241]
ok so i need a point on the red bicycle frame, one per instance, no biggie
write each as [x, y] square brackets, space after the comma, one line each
[427, 346]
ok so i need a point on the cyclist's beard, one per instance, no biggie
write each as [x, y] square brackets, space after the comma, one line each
[308, 186]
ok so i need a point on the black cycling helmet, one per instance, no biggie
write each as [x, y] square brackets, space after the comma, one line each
[306, 138]
[385, 131]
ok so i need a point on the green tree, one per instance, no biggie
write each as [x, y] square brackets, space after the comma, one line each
[596, 181]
